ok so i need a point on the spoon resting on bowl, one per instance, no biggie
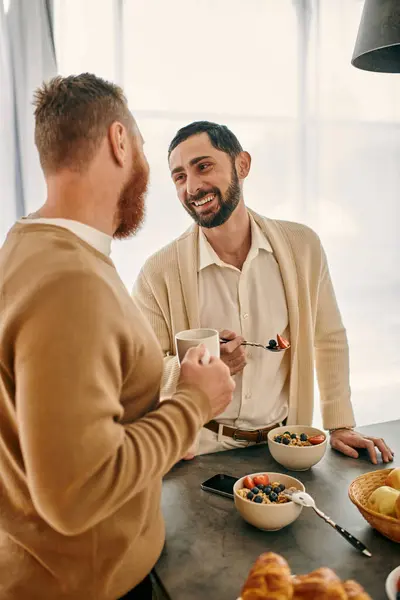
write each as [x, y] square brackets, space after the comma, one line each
[306, 500]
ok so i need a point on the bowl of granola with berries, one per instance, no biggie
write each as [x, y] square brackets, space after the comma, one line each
[261, 500]
[297, 447]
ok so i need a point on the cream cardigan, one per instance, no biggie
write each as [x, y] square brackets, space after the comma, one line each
[167, 293]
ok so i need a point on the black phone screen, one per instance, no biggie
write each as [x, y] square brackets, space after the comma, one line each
[220, 484]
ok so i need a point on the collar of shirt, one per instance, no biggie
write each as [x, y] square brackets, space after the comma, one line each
[208, 256]
[95, 238]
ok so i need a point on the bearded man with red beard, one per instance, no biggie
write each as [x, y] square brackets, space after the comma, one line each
[84, 441]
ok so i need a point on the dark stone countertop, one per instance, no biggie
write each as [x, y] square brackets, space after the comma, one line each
[209, 548]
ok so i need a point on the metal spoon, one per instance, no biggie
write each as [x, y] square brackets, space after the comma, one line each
[270, 348]
[305, 499]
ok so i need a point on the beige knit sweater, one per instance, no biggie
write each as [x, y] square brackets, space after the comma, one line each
[167, 293]
[84, 442]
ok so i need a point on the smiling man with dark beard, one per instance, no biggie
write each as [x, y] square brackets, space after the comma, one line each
[226, 203]
[250, 278]
[84, 440]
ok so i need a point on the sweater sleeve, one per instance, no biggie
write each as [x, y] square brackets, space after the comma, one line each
[145, 299]
[332, 355]
[81, 463]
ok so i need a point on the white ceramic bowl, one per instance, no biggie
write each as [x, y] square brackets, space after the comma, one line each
[391, 583]
[297, 458]
[268, 517]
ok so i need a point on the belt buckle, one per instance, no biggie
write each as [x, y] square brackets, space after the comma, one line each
[238, 439]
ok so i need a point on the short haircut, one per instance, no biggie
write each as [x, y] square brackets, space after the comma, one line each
[72, 117]
[220, 137]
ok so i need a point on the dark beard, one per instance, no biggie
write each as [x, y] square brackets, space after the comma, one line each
[131, 203]
[226, 204]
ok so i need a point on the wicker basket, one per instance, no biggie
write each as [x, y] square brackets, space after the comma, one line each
[359, 492]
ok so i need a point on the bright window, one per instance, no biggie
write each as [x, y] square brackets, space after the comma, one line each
[324, 138]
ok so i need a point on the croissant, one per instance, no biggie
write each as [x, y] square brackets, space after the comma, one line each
[323, 573]
[322, 584]
[269, 579]
[355, 591]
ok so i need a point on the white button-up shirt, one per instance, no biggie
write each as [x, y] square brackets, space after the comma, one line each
[252, 303]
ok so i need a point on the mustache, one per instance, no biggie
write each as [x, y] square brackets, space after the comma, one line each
[202, 194]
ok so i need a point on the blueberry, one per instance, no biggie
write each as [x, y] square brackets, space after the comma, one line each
[282, 486]
[287, 433]
[255, 490]
[267, 489]
[277, 490]
[261, 487]
[293, 436]
[303, 437]
[286, 441]
[272, 344]
[250, 495]
[278, 439]
[258, 499]
[273, 497]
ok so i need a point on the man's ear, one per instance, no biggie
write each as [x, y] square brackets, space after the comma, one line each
[118, 139]
[243, 164]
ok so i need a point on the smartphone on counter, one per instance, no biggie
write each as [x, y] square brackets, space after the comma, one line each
[220, 484]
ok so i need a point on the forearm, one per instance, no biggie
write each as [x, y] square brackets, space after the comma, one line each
[332, 356]
[120, 462]
[332, 363]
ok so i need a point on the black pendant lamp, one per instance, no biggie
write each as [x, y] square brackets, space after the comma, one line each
[378, 42]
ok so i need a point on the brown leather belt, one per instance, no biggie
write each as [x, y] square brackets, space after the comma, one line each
[257, 436]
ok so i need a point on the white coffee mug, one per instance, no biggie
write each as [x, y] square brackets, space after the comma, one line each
[194, 337]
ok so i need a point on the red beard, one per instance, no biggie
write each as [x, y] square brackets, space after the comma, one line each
[131, 204]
